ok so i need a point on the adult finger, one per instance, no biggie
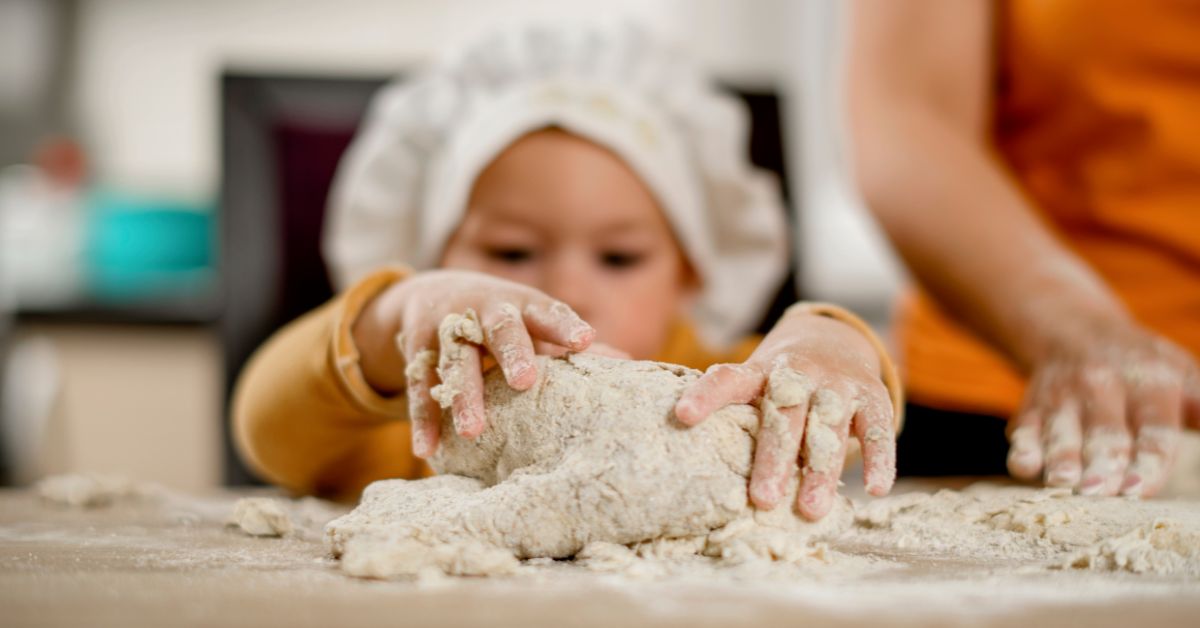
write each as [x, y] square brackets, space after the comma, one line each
[1106, 440]
[554, 321]
[784, 407]
[506, 338]
[874, 427]
[824, 452]
[1154, 451]
[1105, 460]
[1062, 442]
[721, 385]
[1025, 459]
[1155, 411]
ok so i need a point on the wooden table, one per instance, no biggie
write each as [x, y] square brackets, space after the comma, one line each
[174, 562]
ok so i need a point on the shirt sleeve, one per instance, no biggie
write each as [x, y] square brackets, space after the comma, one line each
[305, 418]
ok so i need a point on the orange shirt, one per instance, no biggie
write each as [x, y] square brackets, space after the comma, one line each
[1097, 116]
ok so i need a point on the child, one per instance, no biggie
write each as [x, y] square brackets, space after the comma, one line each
[570, 190]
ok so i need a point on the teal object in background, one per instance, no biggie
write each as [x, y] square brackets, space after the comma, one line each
[141, 249]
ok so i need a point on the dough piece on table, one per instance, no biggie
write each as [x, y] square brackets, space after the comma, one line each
[1051, 528]
[592, 453]
[260, 516]
[86, 490]
[1163, 547]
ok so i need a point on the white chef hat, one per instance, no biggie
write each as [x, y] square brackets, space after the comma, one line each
[402, 188]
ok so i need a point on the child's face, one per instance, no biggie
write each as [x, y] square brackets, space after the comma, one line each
[559, 213]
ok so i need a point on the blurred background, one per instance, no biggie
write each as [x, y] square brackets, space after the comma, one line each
[163, 171]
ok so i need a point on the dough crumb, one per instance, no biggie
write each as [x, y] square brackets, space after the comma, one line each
[260, 516]
[89, 490]
[391, 557]
[1163, 547]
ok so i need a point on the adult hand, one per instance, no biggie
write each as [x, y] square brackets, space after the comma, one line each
[1103, 414]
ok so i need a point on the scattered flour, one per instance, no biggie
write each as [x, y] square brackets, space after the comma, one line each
[260, 516]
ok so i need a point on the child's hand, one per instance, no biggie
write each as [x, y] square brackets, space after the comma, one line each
[1104, 412]
[815, 380]
[425, 335]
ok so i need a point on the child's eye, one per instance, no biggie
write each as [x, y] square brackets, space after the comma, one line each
[620, 259]
[510, 255]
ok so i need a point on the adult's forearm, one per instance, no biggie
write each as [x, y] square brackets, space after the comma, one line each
[968, 235]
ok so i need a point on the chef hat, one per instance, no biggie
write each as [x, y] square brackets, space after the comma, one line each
[403, 186]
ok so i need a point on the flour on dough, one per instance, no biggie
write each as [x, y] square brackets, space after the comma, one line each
[592, 454]
[260, 516]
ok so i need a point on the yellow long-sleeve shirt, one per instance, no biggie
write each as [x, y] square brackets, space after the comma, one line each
[305, 419]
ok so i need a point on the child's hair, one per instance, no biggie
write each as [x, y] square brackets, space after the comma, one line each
[403, 187]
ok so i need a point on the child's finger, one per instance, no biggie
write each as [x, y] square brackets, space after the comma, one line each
[784, 408]
[874, 426]
[508, 341]
[721, 385]
[554, 321]
[460, 369]
[424, 413]
[824, 452]
[467, 404]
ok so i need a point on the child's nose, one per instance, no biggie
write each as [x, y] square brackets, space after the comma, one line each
[570, 284]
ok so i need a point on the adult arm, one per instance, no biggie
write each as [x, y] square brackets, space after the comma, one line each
[919, 92]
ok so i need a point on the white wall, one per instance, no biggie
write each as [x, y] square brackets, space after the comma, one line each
[25, 53]
[148, 78]
[845, 256]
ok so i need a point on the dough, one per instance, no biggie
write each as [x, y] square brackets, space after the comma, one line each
[592, 454]
[88, 490]
[260, 516]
